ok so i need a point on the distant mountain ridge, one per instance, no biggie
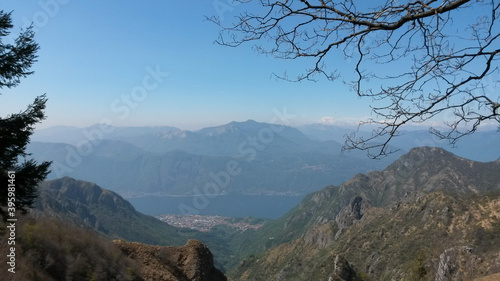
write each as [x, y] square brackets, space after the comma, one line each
[271, 158]
[263, 159]
[74, 135]
[231, 139]
[480, 146]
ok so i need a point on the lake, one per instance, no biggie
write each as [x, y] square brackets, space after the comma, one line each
[231, 205]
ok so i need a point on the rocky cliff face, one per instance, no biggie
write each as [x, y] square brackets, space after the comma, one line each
[351, 213]
[192, 262]
[429, 216]
[457, 263]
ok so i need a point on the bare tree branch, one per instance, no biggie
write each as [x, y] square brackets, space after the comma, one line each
[418, 60]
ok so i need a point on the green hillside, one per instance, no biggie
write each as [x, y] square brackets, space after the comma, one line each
[107, 213]
[385, 223]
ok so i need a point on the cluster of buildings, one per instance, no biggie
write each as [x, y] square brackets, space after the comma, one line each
[205, 223]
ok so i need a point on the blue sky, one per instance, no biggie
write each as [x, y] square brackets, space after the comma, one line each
[95, 53]
[98, 57]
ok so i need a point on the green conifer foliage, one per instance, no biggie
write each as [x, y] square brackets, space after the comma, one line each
[19, 175]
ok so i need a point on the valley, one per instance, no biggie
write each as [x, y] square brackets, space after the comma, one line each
[206, 223]
[430, 214]
[156, 140]
[230, 205]
[211, 171]
[427, 214]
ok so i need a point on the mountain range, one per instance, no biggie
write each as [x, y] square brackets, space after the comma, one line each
[262, 158]
[242, 157]
[430, 215]
[480, 146]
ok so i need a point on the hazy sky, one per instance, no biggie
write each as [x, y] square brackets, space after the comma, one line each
[98, 57]
[155, 63]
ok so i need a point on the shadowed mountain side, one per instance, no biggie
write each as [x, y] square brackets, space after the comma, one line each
[89, 206]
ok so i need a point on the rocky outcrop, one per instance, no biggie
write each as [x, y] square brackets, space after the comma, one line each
[319, 237]
[457, 263]
[351, 213]
[408, 222]
[192, 262]
[343, 270]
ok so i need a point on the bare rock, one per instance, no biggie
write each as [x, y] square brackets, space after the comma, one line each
[343, 270]
[457, 263]
[351, 213]
[192, 262]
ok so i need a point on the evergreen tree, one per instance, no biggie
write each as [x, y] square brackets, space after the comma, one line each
[19, 176]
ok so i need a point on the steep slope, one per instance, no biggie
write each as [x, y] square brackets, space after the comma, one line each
[51, 249]
[437, 237]
[90, 206]
[390, 224]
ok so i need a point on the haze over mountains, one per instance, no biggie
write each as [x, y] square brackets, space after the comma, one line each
[247, 158]
[262, 158]
[480, 146]
[227, 139]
